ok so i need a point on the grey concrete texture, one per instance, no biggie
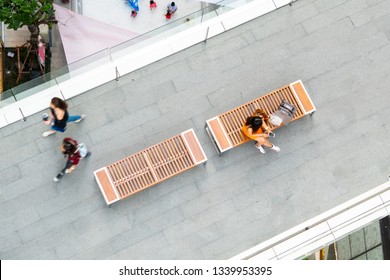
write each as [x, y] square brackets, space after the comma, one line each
[340, 49]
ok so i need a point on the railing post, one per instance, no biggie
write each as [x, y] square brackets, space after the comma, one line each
[21, 112]
[117, 74]
[207, 34]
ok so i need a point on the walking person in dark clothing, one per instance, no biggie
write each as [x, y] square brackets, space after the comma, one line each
[59, 117]
[75, 152]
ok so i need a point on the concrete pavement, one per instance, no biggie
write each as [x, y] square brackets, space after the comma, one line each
[340, 49]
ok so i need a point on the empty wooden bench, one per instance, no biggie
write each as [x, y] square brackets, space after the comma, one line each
[150, 166]
[225, 129]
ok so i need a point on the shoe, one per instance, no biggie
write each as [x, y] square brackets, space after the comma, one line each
[47, 133]
[271, 134]
[83, 116]
[275, 148]
[88, 154]
[261, 149]
[58, 177]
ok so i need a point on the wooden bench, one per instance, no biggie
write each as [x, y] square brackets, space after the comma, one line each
[150, 166]
[225, 129]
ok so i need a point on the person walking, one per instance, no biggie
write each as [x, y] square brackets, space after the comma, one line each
[152, 4]
[59, 117]
[133, 14]
[75, 153]
[171, 9]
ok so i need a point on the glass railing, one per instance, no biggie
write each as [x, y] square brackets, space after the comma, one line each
[6, 98]
[105, 56]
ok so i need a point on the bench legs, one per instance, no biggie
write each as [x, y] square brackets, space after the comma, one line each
[212, 139]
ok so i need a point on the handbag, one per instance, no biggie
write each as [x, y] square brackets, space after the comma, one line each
[284, 114]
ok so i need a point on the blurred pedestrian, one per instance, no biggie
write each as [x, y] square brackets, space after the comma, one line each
[153, 4]
[168, 15]
[75, 152]
[172, 8]
[59, 117]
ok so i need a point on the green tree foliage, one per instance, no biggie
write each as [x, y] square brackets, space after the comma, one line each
[17, 13]
[32, 13]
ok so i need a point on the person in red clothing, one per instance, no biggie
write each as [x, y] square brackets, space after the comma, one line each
[75, 152]
[168, 15]
[133, 13]
[152, 4]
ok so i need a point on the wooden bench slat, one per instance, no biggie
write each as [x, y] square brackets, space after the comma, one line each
[141, 182]
[153, 159]
[124, 175]
[125, 187]
[152, 171]
[264, 105]
[122, 186]
[242, 114]
[176, 160]
[183, 162]
[227, 125]
[171, 160]
[235, 122]
[163, 169]
[179, 162]
[168, 159]
[147, 176]
[131, 186]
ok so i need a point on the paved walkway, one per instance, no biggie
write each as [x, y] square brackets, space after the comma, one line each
[341, 51]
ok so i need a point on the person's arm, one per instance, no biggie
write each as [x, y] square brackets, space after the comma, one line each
[250, 131]
[59, 113]
[69, 167]
[266, 128]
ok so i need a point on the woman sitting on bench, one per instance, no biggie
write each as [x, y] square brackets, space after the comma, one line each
[255, 128]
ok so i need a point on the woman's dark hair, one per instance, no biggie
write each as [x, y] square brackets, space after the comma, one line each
[70, 146]
[59, 103]
[254, 123]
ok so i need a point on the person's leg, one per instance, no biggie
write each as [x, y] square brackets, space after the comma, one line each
[77, 118]
[270, 145]
[53, 129]
[74, 118]
[275, 148]
[265, 142]
[260, 141]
